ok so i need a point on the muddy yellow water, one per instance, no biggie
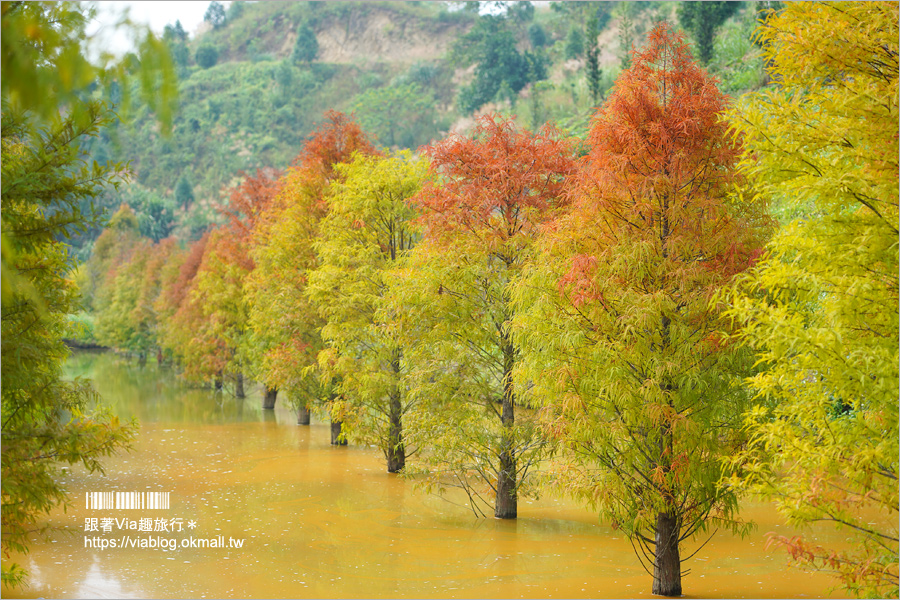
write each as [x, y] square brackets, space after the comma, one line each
[299, 518]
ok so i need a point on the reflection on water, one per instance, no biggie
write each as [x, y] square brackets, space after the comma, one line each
[322, 521]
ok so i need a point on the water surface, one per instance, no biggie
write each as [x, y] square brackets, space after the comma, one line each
[319, 521]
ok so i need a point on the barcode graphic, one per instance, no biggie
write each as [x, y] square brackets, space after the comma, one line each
[126, 500]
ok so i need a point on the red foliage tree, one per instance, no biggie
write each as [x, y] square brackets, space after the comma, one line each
[624, 345]
[481, 211]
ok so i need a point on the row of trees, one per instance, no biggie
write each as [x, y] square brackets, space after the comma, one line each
[497, 305]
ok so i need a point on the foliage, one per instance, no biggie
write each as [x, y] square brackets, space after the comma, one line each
[364, 236]
[492, 47]
[207, 56]
[187, 334]
[178, 317]
[736, 60]
[574, 43]
[398, 116]
[537, 36]
[702, 19]
[620, 342]
[176, 38]
[227, 265]
[284, 325]
[480, 210]
[43, 46]
[155, 214]
[306, 48]
[821, 309]
[46, 421]
[184, 192]
[215, 15]
[235, 10]
[592, 65]
[626, 33]
[112, 247]
[42, 50]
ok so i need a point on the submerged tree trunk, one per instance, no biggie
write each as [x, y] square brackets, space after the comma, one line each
[303, 415]
[335, 433]
[396, 453]
[667, 562]
[269, 399]
[667, 559]
[239, 385]
[506, 504]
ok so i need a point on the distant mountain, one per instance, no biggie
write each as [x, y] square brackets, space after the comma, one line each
[257, 79]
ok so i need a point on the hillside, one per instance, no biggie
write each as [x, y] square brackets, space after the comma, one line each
[257, 81]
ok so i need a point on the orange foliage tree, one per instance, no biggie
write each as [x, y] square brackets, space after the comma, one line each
[284, 326]
[480, 213]
[622, 344]
[226, 267]
[184, 330]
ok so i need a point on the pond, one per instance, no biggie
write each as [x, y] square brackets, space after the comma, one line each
[285, 514]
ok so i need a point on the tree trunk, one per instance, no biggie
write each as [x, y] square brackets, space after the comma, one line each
[396, 453]
[667, 559]
[506, 504]
[218, 383]
[269, 399]
[335, 432]
[142, 359]
[239, 385]
[667, 562]
[303, 415]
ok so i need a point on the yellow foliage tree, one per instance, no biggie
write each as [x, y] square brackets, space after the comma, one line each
[820, 309]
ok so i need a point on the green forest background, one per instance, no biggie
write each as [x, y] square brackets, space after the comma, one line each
[257, 78]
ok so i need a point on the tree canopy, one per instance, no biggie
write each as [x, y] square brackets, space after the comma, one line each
[620, 343]
[365, 236]
[46, 420]
[480, 210]
[821, 308]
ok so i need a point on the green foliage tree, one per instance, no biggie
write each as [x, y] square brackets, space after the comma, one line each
[492, 47]
[235, 10]
[184, 192]
[207, 55]
[574, 42]
[702, 19]
[362, 240]
[592, 60]
[176, 38]
[306, 48]
[626, 33]
[821, 307]
[537, 36]
[45, 420]
[110, 266]
[215, 15]
[155, 213]
[42, 50]
[226, 267]
[218, 293]
[481, 209]
[620, 343]
[400, 115]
